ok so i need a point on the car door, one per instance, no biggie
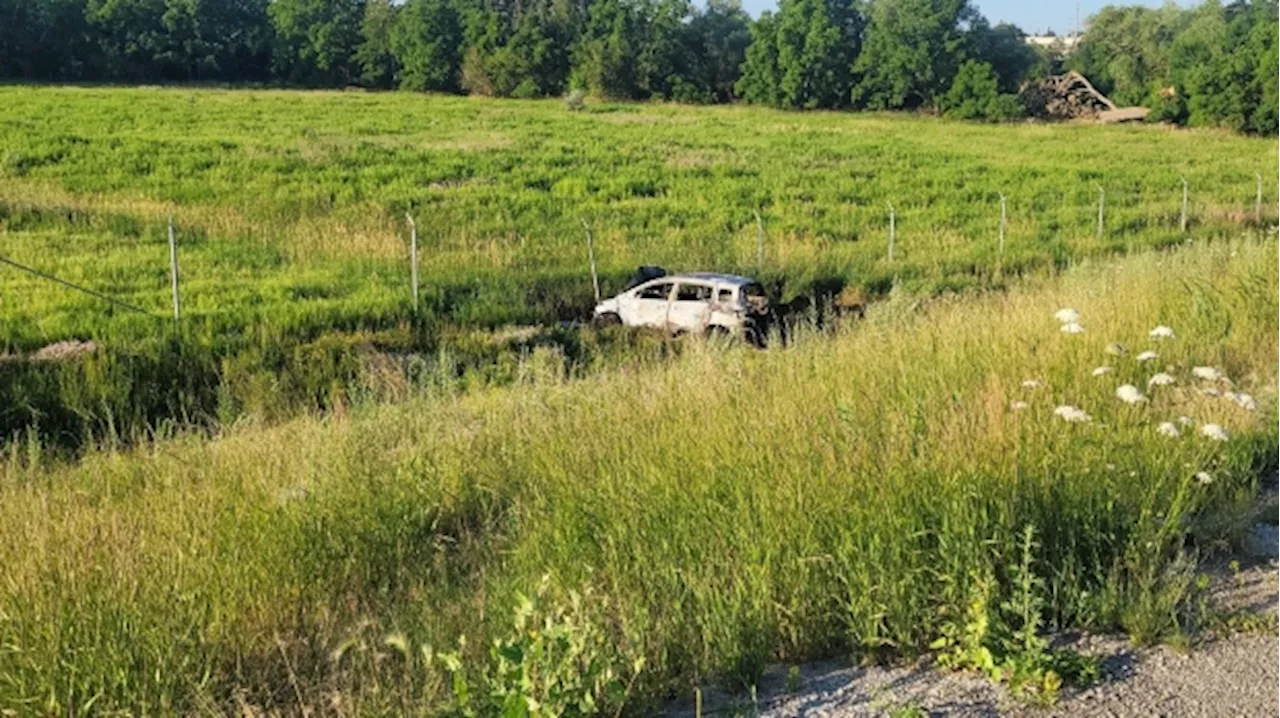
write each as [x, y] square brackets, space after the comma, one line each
[649, 305]
[690, 308]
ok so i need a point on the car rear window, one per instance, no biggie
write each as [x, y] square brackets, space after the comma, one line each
[693, 293]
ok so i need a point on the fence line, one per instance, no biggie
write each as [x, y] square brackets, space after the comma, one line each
[77, 287]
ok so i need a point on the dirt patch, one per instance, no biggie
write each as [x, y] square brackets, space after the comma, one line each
[63, 351]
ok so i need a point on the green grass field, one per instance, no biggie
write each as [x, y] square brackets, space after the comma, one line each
[858, 494]
[443, 511]
[294, 249]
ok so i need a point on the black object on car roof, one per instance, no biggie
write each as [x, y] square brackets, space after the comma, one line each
[643, 274]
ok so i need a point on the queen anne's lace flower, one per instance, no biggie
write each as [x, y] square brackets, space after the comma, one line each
[1072, 328]
[1018, 405]
[1102, 370]
[1147, 356]
[1167, 428]
[1067, 315]
[1215, 432]
[1161, 332]
[1160, 379]
[1072, 414]
[1032, 383]
[1244, 401]
[1129, 394]
[1204, 477]
[1207, 373]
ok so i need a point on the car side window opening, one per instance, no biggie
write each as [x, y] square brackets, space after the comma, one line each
[655, 291]
[693, 293]
[725, 296]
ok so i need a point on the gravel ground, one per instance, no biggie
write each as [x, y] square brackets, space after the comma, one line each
[1234, 676]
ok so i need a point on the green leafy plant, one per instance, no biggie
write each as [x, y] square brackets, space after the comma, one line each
[555, 661]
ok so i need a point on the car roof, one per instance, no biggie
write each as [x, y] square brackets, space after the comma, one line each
[734, 279]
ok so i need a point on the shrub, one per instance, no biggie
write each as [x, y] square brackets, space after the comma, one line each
[975, 95]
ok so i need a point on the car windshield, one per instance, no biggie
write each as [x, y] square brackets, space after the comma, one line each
[753, 291]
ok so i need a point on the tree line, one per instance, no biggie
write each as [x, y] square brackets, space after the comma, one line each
[1209, 65]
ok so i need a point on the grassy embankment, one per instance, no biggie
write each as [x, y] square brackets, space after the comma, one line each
[861, 494]
[290, 209]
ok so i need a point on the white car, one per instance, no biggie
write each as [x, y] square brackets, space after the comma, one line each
[700, 303]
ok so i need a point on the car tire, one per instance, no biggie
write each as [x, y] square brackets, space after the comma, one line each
[608, 319]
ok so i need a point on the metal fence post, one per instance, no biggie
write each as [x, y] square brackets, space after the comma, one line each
[591, 256]
[759, 242]
[173, 269]
[892, 230]
[1003, 221]
[413, 257]
[1257, 205]
[1102, 203]
[1182, 224]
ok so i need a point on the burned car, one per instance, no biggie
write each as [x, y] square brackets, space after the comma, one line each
[696, 303]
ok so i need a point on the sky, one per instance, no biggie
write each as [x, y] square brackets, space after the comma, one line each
[1033, 16]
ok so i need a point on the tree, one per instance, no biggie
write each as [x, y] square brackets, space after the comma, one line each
[604, 61]
[1003, 47]
[719, 37]
[806, 52]
[761, 79]
[373, 56]
[912, 52]
[427, 44]
[975, 95]
[316, 40]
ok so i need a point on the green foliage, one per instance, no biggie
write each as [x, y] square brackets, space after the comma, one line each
[801, 57]
[266, 568]
[316, 40]
[374, 55]
[912, 51]
[975, 95]
[1006, 644]
[555, 661]
[1207, 65]
[426, 41]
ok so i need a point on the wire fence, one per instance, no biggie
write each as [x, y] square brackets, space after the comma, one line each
[1122, 212]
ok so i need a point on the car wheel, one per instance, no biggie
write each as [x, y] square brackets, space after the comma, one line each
[608, 319]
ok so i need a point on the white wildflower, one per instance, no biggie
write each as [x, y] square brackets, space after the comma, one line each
[1160, 379]
[1129, 394]
[1032, 383]
[1161, 332]
[1185, 421]
[1072, 414]
[1210, 391]
[1148, 356]
[1244, 401]
[1018, 405]
[1102, 370]
[1207, 373]
[1214, 431]
[1067, 315]
[1072, 328]
[1167, 428]
[1204, 477]
[1117, 349]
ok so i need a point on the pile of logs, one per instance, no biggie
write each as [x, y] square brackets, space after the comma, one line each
[1071, 97]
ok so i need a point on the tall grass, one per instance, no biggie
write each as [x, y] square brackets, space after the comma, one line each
[290, 215]
[846, 495]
